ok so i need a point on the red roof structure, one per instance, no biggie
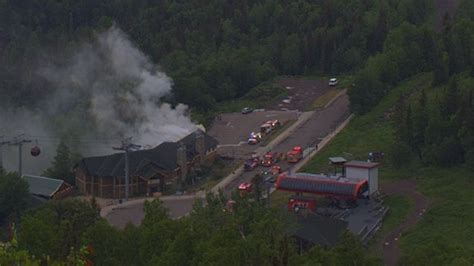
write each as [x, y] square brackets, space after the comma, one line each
[322, 185]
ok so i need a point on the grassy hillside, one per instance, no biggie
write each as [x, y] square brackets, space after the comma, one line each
[368, 132]
[445, 236]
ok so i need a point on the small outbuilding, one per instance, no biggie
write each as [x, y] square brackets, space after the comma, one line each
[364, 170]
[47, 188]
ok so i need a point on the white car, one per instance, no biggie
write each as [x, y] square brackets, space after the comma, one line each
[333, 82]
[252, 141]
[254, 138]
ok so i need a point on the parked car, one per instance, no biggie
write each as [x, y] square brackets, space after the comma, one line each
[247, 110]
[269, 178]
[250, 164]
[254, 138]
[333, 82]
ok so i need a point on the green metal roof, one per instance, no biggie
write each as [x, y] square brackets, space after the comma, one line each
[337, 159]
[42, 186]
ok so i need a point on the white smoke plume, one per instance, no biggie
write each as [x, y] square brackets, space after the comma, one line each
[107, 89]
[124, 90]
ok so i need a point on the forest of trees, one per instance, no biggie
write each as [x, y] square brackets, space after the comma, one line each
[217, 51]
[214, 50]
[411, 49]
[72, 232]
[434, 122]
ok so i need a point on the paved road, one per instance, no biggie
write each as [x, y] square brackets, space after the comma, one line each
[134, 214]
[306, 135]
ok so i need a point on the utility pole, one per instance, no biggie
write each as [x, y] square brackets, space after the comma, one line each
[127, 147]
[18, 141]
[2, 142]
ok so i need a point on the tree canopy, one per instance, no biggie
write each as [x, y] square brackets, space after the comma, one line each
[13, 196]
[214, 51]
[250, 234]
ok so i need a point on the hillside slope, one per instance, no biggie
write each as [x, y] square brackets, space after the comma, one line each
[442, 236]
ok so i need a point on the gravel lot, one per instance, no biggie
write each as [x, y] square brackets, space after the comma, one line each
[302, 92]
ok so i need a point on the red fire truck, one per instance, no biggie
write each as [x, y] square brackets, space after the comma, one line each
[294, 155]
[297, 203]
[268, 159]
[245, 188]
[275, 170]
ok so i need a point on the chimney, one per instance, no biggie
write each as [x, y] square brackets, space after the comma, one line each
[182, 160]
[200, 145]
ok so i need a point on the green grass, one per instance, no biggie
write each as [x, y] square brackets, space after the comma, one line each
[399, 208]
[344, 81]
[258, 97]
[446, 234]
[276, 132]
[324, 99]
[279, 198]
[369, 132]
[219, 170]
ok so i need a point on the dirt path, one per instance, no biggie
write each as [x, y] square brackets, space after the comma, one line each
[406, 188]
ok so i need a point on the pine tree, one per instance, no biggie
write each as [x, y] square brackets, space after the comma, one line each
[398, 118]
[62, 165]
[450, 102]
[420, 122]
[408, 134]
[440, 72]
[380, 31]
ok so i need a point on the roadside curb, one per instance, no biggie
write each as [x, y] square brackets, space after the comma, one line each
[344, 91]
[104, 211]
[323, 143]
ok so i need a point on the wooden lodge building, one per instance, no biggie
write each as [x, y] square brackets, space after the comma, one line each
[150, 170]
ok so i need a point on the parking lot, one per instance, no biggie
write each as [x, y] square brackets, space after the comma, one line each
[301, 93]
[307, 135]
[232, 130]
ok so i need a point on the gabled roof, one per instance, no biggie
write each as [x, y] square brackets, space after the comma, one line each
[162, 157]
[42, 186]
[319, 230]
[318, 184]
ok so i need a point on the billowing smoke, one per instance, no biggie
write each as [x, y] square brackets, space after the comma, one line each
[104, 91]
[124, 89]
